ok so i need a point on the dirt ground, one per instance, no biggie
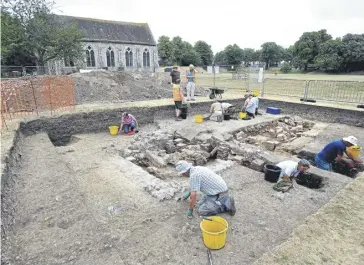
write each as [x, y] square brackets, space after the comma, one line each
[334, 235]
[85, 204]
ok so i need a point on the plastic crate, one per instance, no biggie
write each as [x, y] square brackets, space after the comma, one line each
[272, 110]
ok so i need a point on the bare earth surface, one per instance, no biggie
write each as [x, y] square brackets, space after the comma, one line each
[84, 204]
[334, 235]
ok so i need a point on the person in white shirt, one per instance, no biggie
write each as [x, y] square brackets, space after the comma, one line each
[292, 169]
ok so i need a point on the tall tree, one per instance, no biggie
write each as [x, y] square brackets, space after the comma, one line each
[248, 55]
[308, 47]
[190, 56]
[233, 54]
[165, 50]
[256, 55]
[271, 53]
[13, 48]
[220, 58]
[287, 55]
[353, 52]
[178, 49]
[330, 56]
[205, 52]
[46, 37]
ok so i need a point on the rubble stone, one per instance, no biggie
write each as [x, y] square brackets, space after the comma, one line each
[236, 158]
[152, 170]
[131, 158]
[281, 137]
[279, 130]
[250, 140]
[170, 147]
[227, 136]
[155, 160]
[257, 164]
[173, 158]
[240, 135]
[206, 147]
[270, 145]
[178, 141]
[180, 146]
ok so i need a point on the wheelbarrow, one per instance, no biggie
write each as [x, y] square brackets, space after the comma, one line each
[216, 92]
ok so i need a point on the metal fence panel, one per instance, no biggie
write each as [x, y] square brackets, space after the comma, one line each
[340, 91]
[284, 87]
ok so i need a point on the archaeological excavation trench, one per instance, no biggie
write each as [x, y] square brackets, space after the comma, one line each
[73, 194]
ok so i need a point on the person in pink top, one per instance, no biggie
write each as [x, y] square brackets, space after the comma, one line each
[128, 123]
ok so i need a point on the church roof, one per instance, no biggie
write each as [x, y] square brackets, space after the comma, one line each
[111, 31]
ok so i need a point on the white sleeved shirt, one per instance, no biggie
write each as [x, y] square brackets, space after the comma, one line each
[289, 168]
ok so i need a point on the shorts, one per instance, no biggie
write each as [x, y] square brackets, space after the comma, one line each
[178, 104]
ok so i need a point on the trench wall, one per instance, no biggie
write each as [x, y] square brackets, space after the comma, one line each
[61, 128]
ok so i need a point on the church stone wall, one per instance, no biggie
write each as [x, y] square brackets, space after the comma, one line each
[100, 49]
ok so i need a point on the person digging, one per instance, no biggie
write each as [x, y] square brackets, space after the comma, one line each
[334, 151]
[216, 199]
[290, 171]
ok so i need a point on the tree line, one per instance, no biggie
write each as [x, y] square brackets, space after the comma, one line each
[176, 51]
[313, 50]
[32, 35]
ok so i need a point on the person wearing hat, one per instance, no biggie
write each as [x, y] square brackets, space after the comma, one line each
[201, 179]
[291, 169]
[334, 150]
[191, 80]
[178, 97]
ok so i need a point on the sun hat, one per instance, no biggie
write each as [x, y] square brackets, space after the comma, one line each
[183, 166]
[351, 139]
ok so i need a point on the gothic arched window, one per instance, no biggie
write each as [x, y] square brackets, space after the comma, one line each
[90, 57]
[146, 58]
[128, 57]
[110, 58]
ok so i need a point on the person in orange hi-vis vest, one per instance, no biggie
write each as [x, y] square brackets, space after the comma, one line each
[178, 97]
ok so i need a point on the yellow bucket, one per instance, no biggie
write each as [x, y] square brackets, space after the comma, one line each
[354, 151]
[114, 130]
[242, 115]
[198, 118]
[256, 92]
[214, 232]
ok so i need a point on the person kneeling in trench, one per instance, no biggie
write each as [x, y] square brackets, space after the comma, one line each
[290, 171]
[128, 124]
[216, 199]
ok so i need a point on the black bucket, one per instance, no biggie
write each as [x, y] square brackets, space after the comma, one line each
[272, 173]
[226, 117]
[184, 111]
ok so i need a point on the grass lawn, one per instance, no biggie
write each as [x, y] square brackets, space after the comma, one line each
[346, 88]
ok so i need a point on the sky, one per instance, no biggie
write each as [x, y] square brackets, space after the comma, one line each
[247, 23]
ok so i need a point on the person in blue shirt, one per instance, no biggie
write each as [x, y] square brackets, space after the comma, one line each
[191, 83]
[250, 105]
[334, 150]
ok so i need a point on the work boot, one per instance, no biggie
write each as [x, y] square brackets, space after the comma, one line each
[178, 118]
[232, 211]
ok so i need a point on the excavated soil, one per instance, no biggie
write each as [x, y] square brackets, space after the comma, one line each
[87, 203]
